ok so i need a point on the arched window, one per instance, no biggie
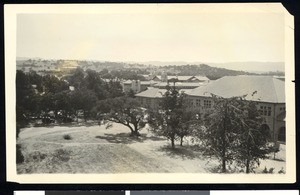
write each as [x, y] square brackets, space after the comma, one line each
[281, 134]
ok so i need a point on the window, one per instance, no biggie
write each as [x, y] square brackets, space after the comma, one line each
[191, 103]
[198, 102]
[282, 108]
[207, 103]
[265, 110]
[148, 101]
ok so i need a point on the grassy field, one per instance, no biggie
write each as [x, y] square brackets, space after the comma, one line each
[95, 149]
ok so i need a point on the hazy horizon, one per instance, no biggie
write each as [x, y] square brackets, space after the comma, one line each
[250, 66]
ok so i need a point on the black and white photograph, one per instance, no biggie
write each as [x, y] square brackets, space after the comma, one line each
[152, 93]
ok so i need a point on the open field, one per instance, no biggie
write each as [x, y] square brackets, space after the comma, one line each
[95, 149]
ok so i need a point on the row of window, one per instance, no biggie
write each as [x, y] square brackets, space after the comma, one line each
[206, 103]
[265, 110]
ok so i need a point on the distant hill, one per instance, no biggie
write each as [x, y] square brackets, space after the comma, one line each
[255, 67]
[202, 69]
[214, 71]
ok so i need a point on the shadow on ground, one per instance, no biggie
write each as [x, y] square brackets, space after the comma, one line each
[179, 151]
[126, 138]
[61, 124]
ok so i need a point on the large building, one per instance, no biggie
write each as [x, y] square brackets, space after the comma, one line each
[267, 91]
[136, 85]
[182, 82]
[152, 96]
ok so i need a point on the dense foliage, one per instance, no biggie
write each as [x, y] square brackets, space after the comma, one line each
[172, 119]
[232, 133]
[49, 97]
[123, 110]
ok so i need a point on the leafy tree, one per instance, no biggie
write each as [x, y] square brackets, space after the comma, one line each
[187, 122]
[52, 84]
[130, 93]
[35, 79]
[96, 84]
[125, 111]
[219, 136]
[24, 100]
[62, 104]
[168, 119]
[84, 100]
[115, 89]
[77, 79]
[47, 103]
[253, 142]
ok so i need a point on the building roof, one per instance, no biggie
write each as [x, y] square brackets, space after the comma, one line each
[180, 78]
[156, 92]
[202, 78]
[264, 88]
[147, 82]
[127, 82]
[141, 82]
[178, 84]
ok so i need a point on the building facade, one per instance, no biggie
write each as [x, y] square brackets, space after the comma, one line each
[266, 91]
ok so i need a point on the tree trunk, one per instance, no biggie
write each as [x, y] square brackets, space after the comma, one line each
[224, 140]
[55, 114]
[84, 115]
[247, 166]
[181, 140]
[136, 130]
[77, 116]
[223, 165]
[248, 155]
[135, 133]
[173, 142]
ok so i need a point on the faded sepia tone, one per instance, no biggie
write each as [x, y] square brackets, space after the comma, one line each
[94, 86]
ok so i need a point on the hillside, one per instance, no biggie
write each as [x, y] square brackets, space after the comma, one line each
[42, 66]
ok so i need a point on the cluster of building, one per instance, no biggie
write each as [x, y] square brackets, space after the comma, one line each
[267, 91]
[161, 82]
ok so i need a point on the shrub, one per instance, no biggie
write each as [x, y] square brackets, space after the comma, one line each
[61, 155]
[271, 170]
[67, 137]
[281, 171]
[36, 156]
[20, 157]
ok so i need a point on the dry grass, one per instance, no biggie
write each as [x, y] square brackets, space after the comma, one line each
[95, 149]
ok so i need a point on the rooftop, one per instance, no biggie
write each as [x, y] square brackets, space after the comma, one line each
[178, 84]
[156, 92]
[257, 88]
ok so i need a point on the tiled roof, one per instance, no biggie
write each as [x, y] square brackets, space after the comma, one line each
[264, 88]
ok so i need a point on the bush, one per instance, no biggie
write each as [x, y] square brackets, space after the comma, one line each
[67, 137]
[61, 155]
[36, 156]
[20, 157]
[271, 170]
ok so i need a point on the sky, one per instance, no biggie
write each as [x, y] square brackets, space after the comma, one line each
[191, 37]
